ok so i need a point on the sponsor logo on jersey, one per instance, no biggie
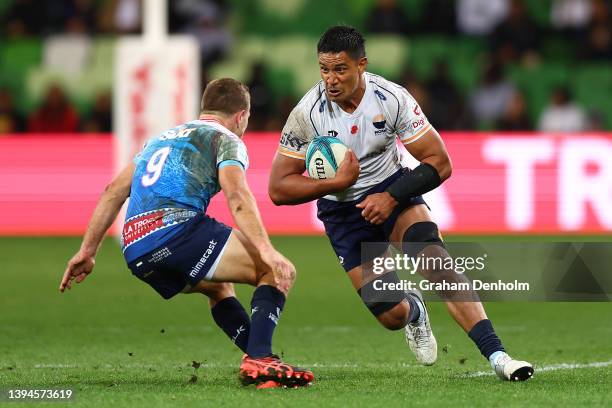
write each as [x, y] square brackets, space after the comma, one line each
[418, 123]
[380, 95]
[139, 227]
[147, 223]
[290, 140]
[178, 133]
[332, 133]
[417, 110]
[380, 124]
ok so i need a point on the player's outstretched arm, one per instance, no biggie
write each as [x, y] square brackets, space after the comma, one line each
[106, 211]
[244, 210]
[288, 185]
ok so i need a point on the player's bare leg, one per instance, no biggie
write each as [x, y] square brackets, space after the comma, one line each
[466, 314]
[393, 319]
[214, 291]
[414, 224]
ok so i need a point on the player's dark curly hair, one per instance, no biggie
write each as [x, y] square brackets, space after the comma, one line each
[342, 38]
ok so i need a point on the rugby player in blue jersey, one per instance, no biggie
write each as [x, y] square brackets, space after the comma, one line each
[375, 199]
[170, 242]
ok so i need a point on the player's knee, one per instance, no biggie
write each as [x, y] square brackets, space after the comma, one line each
[288, 280]
[282, 282]
[387, 305]
[422, 232]
[396, 317]
[423, 238]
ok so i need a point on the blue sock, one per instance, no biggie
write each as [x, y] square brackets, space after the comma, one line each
[415, 308]
[485, 338]
[267, 305]
[231, 317]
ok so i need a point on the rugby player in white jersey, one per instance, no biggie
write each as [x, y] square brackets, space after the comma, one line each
[372, 198]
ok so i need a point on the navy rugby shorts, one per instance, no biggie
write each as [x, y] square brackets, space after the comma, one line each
[347, 229]
[188, 257]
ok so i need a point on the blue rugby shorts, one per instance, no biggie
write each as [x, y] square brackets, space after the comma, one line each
[347, 229]
[188, 257]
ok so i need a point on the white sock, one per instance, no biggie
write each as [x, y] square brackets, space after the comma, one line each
[421, 318]
[495, 356]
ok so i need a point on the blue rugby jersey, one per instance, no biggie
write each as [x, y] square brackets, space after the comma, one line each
[175, 178]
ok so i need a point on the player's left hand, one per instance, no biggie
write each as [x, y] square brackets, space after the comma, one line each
[78, 268]
[377, 207]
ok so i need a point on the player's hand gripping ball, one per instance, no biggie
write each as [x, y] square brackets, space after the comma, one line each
[323, 157]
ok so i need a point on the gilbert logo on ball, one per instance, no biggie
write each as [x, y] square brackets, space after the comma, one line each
[323, 157]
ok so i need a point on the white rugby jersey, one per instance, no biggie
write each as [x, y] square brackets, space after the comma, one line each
[386, 112]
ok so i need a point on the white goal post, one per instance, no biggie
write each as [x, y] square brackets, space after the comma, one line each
[156, 84]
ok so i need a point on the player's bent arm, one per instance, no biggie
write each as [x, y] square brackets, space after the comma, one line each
[430, 149]
[243, 206]
[434, 169]
[107, 209]
[288, 186]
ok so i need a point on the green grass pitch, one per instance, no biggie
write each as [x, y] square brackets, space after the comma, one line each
[117, 343]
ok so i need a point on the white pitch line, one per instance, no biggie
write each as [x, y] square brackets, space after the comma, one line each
[554, 367]
[340, 365]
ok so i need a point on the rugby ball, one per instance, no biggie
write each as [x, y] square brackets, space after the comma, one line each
[323, 157]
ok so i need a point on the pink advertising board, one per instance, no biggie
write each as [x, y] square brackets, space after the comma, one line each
[517, 183]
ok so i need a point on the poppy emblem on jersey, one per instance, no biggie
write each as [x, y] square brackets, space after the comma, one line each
[354, 129]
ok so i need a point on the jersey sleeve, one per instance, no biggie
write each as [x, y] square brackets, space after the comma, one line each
[412, 122]
[232, 151]
[296, 135]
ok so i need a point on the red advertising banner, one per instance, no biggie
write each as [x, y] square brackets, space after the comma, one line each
[518, 183]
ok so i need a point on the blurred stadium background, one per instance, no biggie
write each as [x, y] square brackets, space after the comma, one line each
[478, 68]
[521, 92]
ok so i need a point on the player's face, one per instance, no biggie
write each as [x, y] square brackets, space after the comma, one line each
[341, 74]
